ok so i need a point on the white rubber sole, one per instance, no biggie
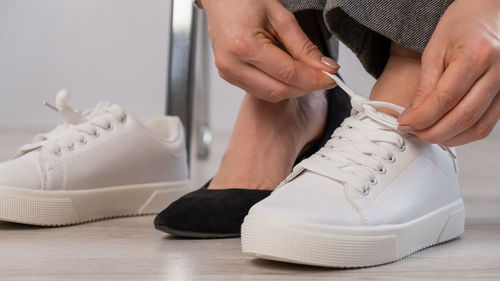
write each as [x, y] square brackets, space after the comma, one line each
[58, 208]
[330, 246]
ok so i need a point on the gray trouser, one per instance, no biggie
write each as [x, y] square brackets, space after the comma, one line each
[367, 27]
[339, 106]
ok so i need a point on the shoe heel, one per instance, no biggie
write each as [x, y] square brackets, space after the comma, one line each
[454, 227]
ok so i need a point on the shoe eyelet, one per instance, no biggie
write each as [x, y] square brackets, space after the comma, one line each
[82, 141]
[401, 148]
[70, 147]
[373, 181]
[109, 127]
[381, 170]
[123, 119]
[96, 133]
[58, 152]
[365, 191]
[391, 158]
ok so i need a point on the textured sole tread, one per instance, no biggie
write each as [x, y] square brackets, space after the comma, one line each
[333, 247]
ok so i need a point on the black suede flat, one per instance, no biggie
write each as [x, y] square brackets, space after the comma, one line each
[209, 213]
[219, 213]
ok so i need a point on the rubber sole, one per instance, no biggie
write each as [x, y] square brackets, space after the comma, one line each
[195, 235]
[59, 208]
[330, 246]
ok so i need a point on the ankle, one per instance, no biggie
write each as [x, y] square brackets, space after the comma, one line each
[399, 80]
[267, 139]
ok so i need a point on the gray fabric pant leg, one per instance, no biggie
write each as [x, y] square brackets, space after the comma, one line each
[313, 24]
[367, 27]
[339, 103]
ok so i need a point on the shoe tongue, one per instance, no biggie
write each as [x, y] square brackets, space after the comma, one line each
[378, 119]
[71, 118]
[98, 110]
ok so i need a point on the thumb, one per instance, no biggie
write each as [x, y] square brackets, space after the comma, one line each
[296, 42]
[430, 73]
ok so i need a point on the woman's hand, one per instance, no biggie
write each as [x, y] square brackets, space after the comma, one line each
[259, 46]
[457, 100]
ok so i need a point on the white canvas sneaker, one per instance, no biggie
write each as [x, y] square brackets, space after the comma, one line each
[100, 163]
[370, 196]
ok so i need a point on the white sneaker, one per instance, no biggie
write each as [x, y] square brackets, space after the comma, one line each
[370, 196]
[100, 163]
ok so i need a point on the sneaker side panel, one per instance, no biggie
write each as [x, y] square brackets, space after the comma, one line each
[429, 182]
[133, 156]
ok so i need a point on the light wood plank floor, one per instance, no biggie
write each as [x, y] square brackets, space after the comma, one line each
[130, 249]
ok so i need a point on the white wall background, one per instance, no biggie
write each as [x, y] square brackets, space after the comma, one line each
[113, 50]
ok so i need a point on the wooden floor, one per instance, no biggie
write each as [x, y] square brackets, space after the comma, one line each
[130, 249]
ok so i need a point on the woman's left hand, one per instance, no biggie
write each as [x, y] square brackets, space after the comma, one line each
[458, 100]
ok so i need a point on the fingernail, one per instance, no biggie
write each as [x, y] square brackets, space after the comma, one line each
[328, 82]
[406, 129]
[330, 62]
[330, 86]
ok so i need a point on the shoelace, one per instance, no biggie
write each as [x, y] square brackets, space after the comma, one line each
[69, 116]
[362, 146]
[78, 133]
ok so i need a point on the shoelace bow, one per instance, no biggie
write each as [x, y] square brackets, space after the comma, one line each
[70, 117]
[358, 150]
[78, 133]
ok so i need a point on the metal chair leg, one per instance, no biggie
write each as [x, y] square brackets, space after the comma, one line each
[180, 80]
[189, 67]
[203, 135]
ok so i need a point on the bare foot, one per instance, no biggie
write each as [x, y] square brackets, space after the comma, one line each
[266, 140]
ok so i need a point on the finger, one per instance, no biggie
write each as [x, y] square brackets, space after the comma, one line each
[431, 70]
[455, 82]
[261, 85]
[295, 40]
[282, 67]
[482, 128]
[468, 111]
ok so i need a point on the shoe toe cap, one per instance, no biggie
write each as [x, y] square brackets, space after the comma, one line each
[210, 211]
[309, 198]
[22, 172]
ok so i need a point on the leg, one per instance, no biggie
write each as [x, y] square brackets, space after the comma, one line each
[267, 138]
[266, 141]
[400, 77]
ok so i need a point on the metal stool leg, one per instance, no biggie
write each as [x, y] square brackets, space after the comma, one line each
[180, 80]
[203, 135]
[182, 74]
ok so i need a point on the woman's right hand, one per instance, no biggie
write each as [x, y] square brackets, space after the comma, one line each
[259, 46]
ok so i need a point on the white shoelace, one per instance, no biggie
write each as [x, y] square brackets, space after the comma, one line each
[362, 146]
[70, 117]
[78, 133]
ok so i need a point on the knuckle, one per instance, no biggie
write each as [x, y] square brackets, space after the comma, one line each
[484, 129]
[420, 92]
[447, 98]
[222, 65]
[308, 48]
[239, 44]
[287, 74]
[467, 119]
[277, 94]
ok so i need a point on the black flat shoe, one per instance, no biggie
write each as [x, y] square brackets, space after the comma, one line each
[219, 213]
[209, 213]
